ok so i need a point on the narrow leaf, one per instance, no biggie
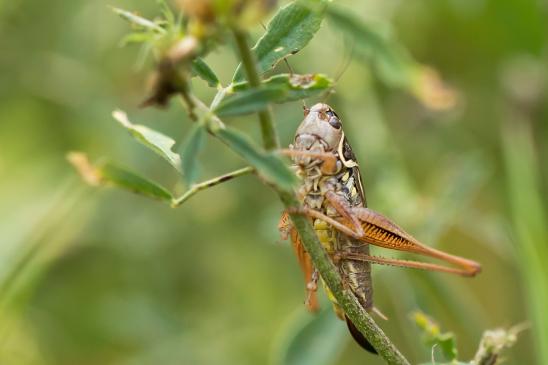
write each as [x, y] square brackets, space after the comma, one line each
[138, 20]
[296, 86]
[312, 340]
[529, 213]
[137, 38]
[106, 173]
[370, 44]
[156, 141]
[249, 101]
[203, 71]
[122, 178]
[168, 14]
[269, 166]
[190, 149]
[287, 33]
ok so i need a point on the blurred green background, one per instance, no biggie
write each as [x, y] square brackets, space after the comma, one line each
[101, 276]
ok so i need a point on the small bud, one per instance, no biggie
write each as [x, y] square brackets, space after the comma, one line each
[202, 10]
[240, 13]
[184, 50]
[172, 72]
[162, 84]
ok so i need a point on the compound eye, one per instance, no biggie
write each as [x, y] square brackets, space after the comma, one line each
[331, 113]
[335, 122]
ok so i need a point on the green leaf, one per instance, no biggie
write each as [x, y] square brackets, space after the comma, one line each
[120, 177]
[138, 20]
[190, 149]
[137, 38]
[312, 340]
[167, 13]
[156, 141]
[529, 212]
[393, 64]
[448, 345]
[269, 166]
[106, 173]
[297, 86]
[202, 70]
[432, 336]
[287, 33]
[277, 89]
[249, 101]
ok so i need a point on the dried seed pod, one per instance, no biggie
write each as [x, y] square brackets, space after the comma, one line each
[172, 72]
[164, 82]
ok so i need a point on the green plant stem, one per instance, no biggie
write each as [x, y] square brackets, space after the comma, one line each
[329, 273]
[270, 137]
[189, 101]
[346, 299]
[210, 183]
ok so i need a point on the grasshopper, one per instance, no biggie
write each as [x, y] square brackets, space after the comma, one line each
[333, 197]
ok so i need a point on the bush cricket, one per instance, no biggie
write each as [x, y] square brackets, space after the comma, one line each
[332, 196]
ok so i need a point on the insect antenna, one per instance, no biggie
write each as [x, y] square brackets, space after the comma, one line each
[291, 74]
[343, 66]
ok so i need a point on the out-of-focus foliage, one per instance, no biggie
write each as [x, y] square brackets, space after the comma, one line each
[104, 277]
[433, 337]
[490, 349]
[529, 216]
[492, 344]
[310, 339]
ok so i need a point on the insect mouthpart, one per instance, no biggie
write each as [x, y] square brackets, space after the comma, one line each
[309, 143]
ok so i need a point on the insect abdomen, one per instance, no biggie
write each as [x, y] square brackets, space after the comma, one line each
[357, 273]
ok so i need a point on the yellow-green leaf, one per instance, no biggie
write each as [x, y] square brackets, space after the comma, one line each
[156, 141]
[138, 20]
[432, 336]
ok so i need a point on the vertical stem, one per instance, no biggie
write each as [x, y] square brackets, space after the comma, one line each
[329, 273]
[357, 314]
[270, 137]
[189, 101]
